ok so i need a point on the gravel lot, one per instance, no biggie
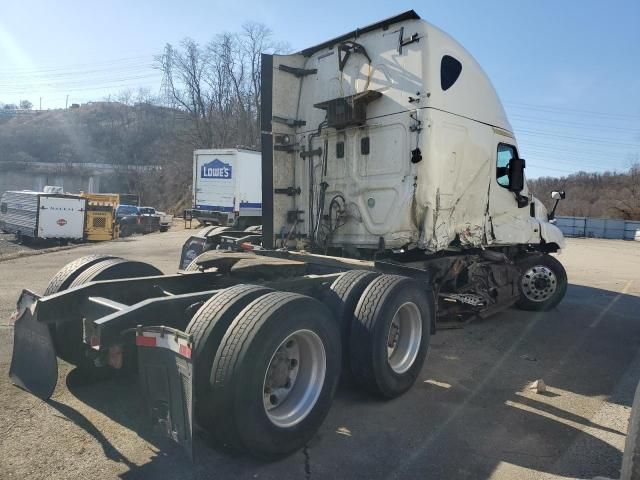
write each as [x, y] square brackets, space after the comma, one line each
[469, 416]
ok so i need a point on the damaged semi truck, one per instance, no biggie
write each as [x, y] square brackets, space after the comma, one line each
[394, 200]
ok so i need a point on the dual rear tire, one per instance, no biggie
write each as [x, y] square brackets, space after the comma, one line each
[267, 363]
[390, 332]
[272, 368]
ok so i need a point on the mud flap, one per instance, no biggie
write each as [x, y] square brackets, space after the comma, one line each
[34, 366]
[166, 378]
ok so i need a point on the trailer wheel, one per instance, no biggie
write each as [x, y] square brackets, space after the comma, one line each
[345, 292]
[543, 282]
[390, 334]
[208, 326]
[68, 335]
[61, 280]
[275, 374]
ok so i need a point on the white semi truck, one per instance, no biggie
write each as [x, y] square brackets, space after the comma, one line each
[393, 201]
[227, 187]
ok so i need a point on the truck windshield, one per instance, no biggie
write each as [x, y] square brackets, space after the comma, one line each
[127, 210]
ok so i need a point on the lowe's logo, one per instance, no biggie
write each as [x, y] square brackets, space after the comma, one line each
[215, 169]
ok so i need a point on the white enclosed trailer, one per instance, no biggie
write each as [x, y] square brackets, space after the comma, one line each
[43, 215]
[226, 185]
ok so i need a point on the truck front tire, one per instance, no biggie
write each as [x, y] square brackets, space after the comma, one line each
[542, 284]
[390, 334]
[275, 374]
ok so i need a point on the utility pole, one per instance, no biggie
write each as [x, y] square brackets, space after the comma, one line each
[66, 103]
[40, 103]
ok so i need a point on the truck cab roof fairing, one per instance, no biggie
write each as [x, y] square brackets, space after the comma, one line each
[383, 24]
[472, 95]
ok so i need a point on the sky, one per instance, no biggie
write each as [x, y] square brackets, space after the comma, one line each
[567, 71]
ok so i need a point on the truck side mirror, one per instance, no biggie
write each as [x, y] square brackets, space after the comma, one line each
[516, 174]
[557, 196]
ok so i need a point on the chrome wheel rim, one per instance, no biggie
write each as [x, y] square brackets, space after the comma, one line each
[404, 337]
[294, 378]
[539, 283]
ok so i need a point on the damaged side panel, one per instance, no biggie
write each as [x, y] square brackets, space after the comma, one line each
[452, 195]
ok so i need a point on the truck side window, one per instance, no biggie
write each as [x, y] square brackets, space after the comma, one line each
[450, 69]
[505, 154]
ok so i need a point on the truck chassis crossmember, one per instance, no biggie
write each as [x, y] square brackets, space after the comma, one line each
[190, 318]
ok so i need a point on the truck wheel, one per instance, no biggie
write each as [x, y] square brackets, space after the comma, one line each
[61, 280]
[115, 268]
[193, 266]
[68, 335]
[208, 326]
[345, 292]
[543, 282]
[203, 232]
[390, 334]
[275, 374]
[631, 457]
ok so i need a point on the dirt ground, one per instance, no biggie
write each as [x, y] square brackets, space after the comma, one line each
[469, 416]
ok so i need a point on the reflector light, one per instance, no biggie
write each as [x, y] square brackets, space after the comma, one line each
[185, 351]
[143, 341]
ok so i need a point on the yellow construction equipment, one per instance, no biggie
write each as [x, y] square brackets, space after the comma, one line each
[100, 222]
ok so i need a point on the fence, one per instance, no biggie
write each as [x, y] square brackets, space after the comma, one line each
[599, 228]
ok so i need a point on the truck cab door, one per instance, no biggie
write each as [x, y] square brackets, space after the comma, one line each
[509, 223]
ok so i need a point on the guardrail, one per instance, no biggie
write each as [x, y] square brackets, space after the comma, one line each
[599, 228]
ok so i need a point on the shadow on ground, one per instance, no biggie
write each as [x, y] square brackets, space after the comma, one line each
[468, 413]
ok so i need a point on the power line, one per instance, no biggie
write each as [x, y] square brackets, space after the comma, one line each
[72, 67]
[577, 139]
[575, 125]
[569, 111]
[73, 85]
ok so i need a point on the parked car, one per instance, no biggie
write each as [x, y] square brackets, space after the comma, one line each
[132, 219]
[165, 219]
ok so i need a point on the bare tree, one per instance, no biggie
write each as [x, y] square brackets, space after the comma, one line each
[627, 204]
[218, 85]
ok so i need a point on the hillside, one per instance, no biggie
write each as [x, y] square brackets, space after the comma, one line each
[116, 133]
[99, 132]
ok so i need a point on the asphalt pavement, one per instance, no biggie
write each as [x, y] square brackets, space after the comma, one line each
[469, 416]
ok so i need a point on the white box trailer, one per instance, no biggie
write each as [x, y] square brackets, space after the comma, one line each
[42, 215]
[227, 183]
